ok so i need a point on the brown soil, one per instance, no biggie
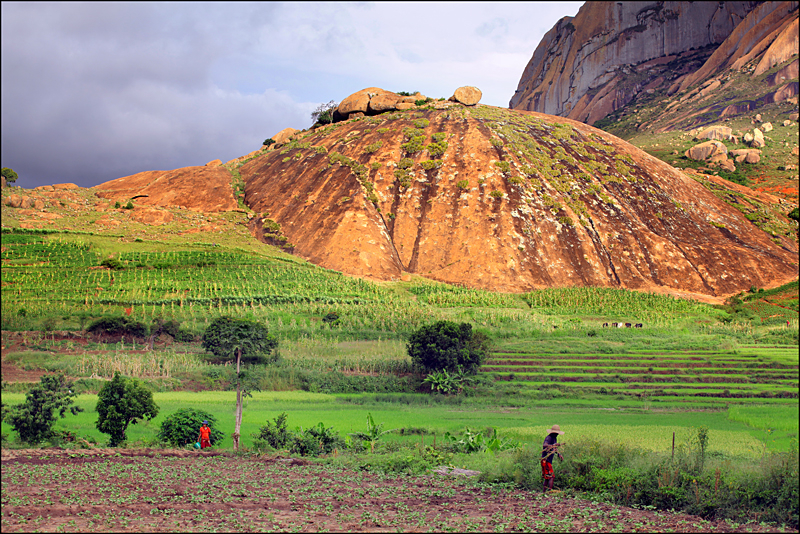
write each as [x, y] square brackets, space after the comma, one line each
[168, 491]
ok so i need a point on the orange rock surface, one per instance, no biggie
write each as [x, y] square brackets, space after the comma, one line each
[512, 201]
[197, 188]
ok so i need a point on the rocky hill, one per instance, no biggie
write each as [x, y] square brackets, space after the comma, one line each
[601, 60]
[485, 197]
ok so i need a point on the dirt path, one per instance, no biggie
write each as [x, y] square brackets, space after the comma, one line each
[166, 491]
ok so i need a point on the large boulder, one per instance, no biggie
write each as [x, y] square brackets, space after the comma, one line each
[758, 139]
[706, 151]
[18, 201]
[718, 133]
[383, 102]
[284, 135]
[468, 95]
[767, 127]
[371, 101]
[359, 101]
[746, 155]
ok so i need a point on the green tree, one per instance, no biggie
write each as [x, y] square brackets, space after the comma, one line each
[9, 175]
[794, 214]
[445, 345]
[233, 339]
[45, 403]
[324, 113]
[183, 427]
[123, 402]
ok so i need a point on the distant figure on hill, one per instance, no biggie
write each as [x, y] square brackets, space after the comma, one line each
[205, 435]
[550, 449]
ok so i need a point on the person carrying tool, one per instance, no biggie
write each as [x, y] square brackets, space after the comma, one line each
[205, 435]
[550, 449]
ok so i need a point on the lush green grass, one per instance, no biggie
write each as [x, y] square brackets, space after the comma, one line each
[608, 420]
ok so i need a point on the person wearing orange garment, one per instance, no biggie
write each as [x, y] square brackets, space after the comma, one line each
[205, 435]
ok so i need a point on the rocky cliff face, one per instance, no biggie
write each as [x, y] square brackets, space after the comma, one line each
[597, 62]
[484, 197]
[504, 200]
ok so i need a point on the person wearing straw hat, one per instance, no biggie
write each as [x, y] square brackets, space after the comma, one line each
[550, 449]
[205, 435]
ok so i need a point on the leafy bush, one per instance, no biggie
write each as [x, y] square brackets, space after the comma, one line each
[445, 345]
[274, 435]
[118, 326]
[268, 142]
[315, 440]
[113, 264]
[120, 403]
[183, 427]
[34, 418]
[9, 175]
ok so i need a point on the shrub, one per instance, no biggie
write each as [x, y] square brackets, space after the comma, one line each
[462, 184]
[129, 205]
[274, 435]
[431, 164]
[268, 142]
[120, 403]
[437, 149]
[34, 418]
[118, 326]
[316, 440]
[182, 427]
[405, 163]
[113, 264]
[445, 345]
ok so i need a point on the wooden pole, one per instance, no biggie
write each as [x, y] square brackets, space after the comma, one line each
[673, 446]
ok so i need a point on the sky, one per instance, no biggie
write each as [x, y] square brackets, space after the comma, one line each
[95, 91]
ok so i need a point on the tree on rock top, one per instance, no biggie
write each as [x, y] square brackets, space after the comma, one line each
[445, 345]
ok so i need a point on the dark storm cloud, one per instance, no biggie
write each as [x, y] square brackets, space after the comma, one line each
[95, 91]
[92, 92]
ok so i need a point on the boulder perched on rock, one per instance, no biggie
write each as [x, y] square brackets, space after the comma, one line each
[383, 102]
[284, 135]
[707, 151]
[214, 163]
[467, 95]
[373, 101]
[718, 133]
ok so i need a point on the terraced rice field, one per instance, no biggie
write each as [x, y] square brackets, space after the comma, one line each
[750, 373]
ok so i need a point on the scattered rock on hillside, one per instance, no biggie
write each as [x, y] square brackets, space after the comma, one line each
[20, 201]
[718, 133]
[746, 155]
[467, 95]
[758, 139]
[766, 127]
[707, 151]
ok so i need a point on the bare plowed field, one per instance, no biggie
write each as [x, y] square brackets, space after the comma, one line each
[176, 491]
